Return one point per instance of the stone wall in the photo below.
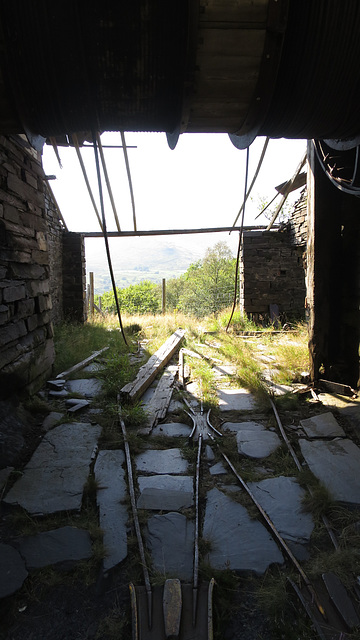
(55, 230)
(74, 277)
(271, 273)
(26, 336)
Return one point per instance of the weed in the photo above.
(317, 501)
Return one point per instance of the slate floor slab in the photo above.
(324, 425)
(336, 464)
(165, 492)
(235, 400)
(161, 461)
(170, 540)
(281, 498)
(65, 545)
(253, 439)
(237, 542)
(87, 387)
(172, 430)
(54, 478)
(113, 514)
(12, 570)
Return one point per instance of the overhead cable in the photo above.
(106, 176)
(129, 176)
(78, 153)
(105, 235)
(240, 239)
(253, 180)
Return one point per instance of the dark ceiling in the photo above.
(284, 68)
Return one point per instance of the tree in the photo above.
(135, 299)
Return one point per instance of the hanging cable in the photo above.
(129, 177)
(107, 180)
(78, 153)
(105, 234)
(240, 239)
(253, 180)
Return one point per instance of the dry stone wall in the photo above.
(55, 230)
(26, 336)
(271, 273)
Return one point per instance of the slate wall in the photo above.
(271, 272)
(26, 335)
(55, 230)
(74, 277)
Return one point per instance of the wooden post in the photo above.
(100, 303)
(87, 303)
(163, 295)
(91, 294)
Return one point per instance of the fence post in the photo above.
(91, 294)
(163, 295)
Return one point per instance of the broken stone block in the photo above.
(87, 387)
(51, 420)
(236, 400)
(165, 492)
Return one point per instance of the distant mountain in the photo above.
(136, 259)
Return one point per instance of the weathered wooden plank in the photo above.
(82, 364)
(148, 372)
(159, 403)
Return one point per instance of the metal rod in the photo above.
(211, 426)
(81, 162)
(166, 232)
(136, 518)
(326, 522)
(106, 176)
(129, 176)
(196, 542)
(194, 423)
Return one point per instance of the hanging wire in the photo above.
(105, 234)
(123, 142)
(240, 238)
(253, 180)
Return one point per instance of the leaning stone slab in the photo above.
(113, 514)
(4, 476)
(59, 546)
(170, 540)
(54, 478)
(165, 492)
(336, 464)
(255, 441)
(281, 498)
(12, 570)
(237, 542)
(87, 387)
(235, 400)
(161, 461)
(172, 430)
(322, 426)
(218, 469)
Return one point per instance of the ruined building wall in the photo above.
(26, 335)
(55, 230)
(271, 273)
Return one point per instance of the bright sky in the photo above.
(199, 184)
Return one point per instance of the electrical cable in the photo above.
(253, 180)
(105, 234)
(240, 239)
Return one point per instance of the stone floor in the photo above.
(53, 480)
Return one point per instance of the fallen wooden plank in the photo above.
(159, 403)
(148, 372)
(81, 364)
(336, 387)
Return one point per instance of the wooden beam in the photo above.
(159, 403)
(148, 372)
(168, 232)
(81, 365)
